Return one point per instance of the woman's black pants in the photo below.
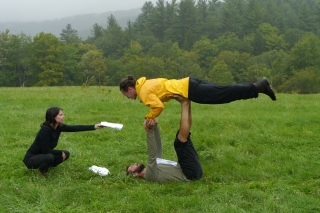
(44, 161)
(203, 92)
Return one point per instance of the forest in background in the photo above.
(234, 41)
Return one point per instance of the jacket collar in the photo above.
(139, 84)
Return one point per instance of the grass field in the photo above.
(257, 155)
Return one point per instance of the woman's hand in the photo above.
(63, 156)
(149, 123)
(98, 126)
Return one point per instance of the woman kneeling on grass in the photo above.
(41, 153)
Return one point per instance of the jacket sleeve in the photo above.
(155, 104)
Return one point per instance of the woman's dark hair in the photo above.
(127, 82)
(51, 114)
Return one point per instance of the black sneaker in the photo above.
(263, 86)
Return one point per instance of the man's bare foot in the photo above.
(181, 99)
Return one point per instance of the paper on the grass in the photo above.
(99, 170)
(164, 161)
(112, 125)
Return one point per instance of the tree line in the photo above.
(225, 42)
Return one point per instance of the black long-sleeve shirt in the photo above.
(47, 138)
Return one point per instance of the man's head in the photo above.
(137, 170)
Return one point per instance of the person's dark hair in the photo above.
(128, 173)
(51, 114)
(139, 169)
(127, 82)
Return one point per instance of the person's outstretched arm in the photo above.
(152, 124)
(158, 139)
(80, 128)
(152, 170)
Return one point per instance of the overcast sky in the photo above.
(41, 10)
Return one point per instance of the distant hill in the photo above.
(82, 23)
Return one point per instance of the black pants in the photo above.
(203, 92)
(44, 161)
(188, 158)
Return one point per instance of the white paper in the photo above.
(112, 125)
(99, 170)
(164, 161)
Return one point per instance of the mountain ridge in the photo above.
(82, 23)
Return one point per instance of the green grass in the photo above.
(257, 155)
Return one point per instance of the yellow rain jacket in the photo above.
(154, 92)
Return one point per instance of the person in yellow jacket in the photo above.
(154, 92)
